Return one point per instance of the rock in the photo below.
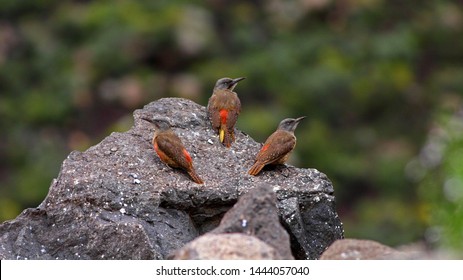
(233, 246)
(117, 200)
(254, 214)
(355, 249)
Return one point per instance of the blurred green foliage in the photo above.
(373, 77)
(438, 169)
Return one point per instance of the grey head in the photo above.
(161, 124)
(290, 124)
(227, 83)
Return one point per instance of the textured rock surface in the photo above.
(355, 249)
(255, 214)
(359, 249)
(117, 200)
(234, 246)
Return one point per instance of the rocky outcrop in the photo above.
(233, 246)
(361, 249)
(255, 216)
(117, 200)
(357, 249)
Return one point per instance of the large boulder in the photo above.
(117, 200)
(361, 249)
(261, 236)
(358, 249)
(232, 246)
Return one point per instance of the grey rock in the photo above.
(357, 249)
(256, 214)
(255, 218)
(117, 200)
(233, 246)
(360, 249)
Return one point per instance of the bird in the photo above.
(223, 109)
(277, 147)
(170, 148)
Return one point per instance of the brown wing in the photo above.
(212, 111)
(223, 99)
(233, 114)
(171, 145)
(276, 147)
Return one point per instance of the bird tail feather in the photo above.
(226, 137)
(255, 169)
(195, 177)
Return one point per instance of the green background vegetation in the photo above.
(381, 82)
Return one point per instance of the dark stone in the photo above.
(117, 200)
(255, 218)
(309, 219)
(256, 214)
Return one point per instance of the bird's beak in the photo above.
(147, 119)
(300, 119)
(235, 81)
(151, 121)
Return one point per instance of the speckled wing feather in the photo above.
(281, 142)
(172, 152)
(215, 118)
(173, 148)
(274, 151)
(233, 114)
